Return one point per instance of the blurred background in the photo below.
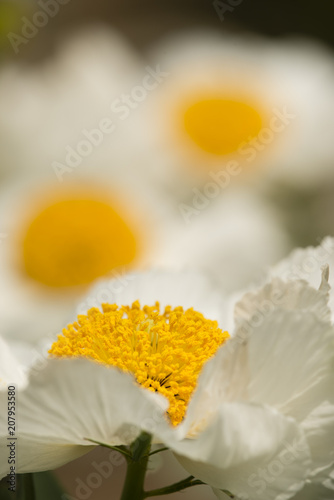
(138, 134)
(144, 23)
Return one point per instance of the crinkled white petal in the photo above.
(74, 399)
(243, 440)
(319, 430)
(290, 358)
(307, 264)
(280, 358)
(326, 477)
(292, 295)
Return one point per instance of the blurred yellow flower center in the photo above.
(73, 241)
(220, 126)
(165, 352)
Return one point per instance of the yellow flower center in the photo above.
(220, 126)
(73, 240)
(165, 352)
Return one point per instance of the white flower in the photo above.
(230, 99)
(50, 134)
(58, 238)
(260, 420)
(45, 111)
(56, 116)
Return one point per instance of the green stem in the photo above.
(26, 490)
(135, 476)
(120, 449)
(181, 485)
(158, 451)
(228, 493)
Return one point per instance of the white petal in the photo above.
(307, 264)
(290, 359)
(326, 477)
(74, 399)
(233, 237)
(284, 359)
(291, 295)
(45, 107)
(309, 492)
(186, 289)
(11, 370)
(281, 358)
(248, 450)
(319, 430)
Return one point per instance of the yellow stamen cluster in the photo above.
(165, 352)
(73, 241)
(219, 126)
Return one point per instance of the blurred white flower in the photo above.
(266, 104)
(59, 112)
(260, 420)
(59, 238)
(61, 140)
(51, 119)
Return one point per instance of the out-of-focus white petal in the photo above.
(46, 108)
(233, 236)
(185, 288)
(12, 372)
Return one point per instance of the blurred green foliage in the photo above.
(38, 486)
(11, 12)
